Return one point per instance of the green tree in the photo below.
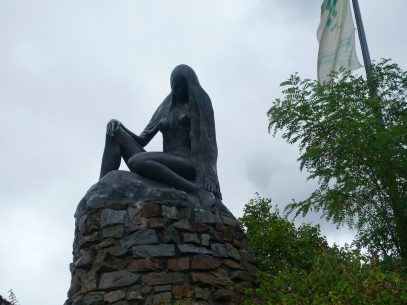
(298, 267)
(275, 239)
(352, 135)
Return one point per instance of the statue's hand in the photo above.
(112, 127)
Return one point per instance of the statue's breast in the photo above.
(183, 120)
(173, 122)
(164, 125)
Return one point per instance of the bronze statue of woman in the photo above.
(188, 160)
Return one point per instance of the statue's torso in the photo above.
(175, 128)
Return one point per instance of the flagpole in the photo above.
(365, 52)
(362, 37)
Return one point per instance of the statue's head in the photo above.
(183, 77)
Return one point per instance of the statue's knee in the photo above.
(112, 128)
(135, 163)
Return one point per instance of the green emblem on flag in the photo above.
(332, 22)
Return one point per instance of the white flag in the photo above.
(336, 36)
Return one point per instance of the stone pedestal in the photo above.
(149, 244)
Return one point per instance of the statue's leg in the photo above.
(121, 145)
(169, 169)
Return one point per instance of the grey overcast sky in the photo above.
(67, 67)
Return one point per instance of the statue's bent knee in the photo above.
(136, 162)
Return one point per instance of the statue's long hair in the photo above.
(204, 150)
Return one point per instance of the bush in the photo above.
(298, 267)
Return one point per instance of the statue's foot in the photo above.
(207, 198)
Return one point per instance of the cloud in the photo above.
(68, 67)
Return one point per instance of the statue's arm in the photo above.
(145, 137)
(149, 132)
(153, 126)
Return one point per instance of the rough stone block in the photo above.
(117, 251)
(113, 231)
(227, 235)
(163, 278)
(162, 288)
(146, 264)
(232, 264)
(110, 217)
(240, 275)
(211, 278)
(82, 224)
(236, 243)
(94, 205)
(117, 279)
(191, 238)
(119, 205)
(150, 210)
(163, 298)
(181, 264)
(153, 250)
(247, 256)
(205, 239)
(87, 282)
(89, 239)
(187, 248)
(134, 293)
(202, 293)
(204, 262)
(170, 235)
(226, 295)
(184, 225)
(98, 261)
(249, 267)
(104, 261)
(93, 297)
(185, 213)
(181, 290)
(134, 213)
(146, 289)
(108, 242)
(230, 221)
(85, 260)
(123, 302)
(114, 296)
(169, 212)
(141, 237)
(203, 216)
(157, 222)
(225, 250)
(200, 227)
(143, 224)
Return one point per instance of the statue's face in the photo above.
(180, 87)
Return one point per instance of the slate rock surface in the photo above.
(141, 243)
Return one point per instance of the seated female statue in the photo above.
(188, 160)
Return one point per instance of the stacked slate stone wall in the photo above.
(158, 252)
